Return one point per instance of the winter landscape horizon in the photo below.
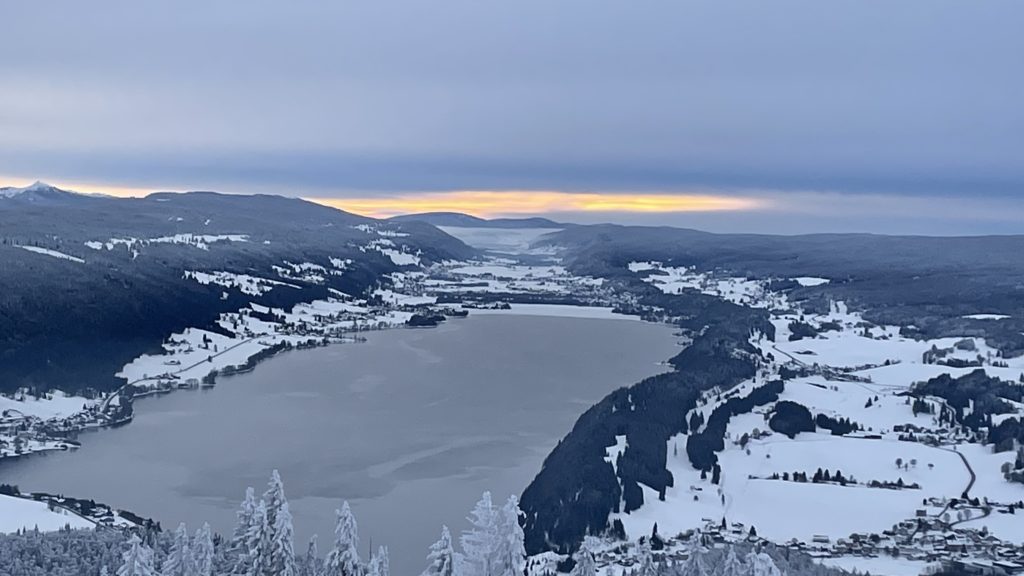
(680, 288)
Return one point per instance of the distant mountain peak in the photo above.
(37, 186)
(35, 191)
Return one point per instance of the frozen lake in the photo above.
(410, 427)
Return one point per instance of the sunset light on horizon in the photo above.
(492, 203)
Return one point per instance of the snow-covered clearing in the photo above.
(201, 241)
(673, 280)
(850, 399)
(811, 281)
(857, 371)
(374, 229)
(401, 258)
(986, 316)
(52, 405)
(53, 253)
(18, 513)
(781, 510)
(250, 285)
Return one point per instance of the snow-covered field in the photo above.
(54, 253)
(201, 241)
(781, 510)
(250, 285)
(18, 513)
(858, 372)
(986, 316)
(52, 405)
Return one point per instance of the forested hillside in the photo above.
(89, 283)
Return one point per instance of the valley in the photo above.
(802, 411)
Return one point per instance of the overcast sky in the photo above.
(859, 114)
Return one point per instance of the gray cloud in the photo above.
(918, 97)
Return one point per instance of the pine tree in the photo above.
(695, 564)
(379, 564)
(179, 559)
(245, 520)
(646, 561)
(274, 498)
(509, 556)
(312, 558)
(282, 551)
(343, 560)
(732, 566)
(478, 543)
(586, 564)
(761, 564)
(442, 556)
(202, 552)
(258, 545)
(137, 560)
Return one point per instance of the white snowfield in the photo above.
(385, 232)
(250, 285)
(400, 258)
(19, 513)
(673, 280)
(201, 241)
(986, 316)
(811, 281)
(860, 370)
(54, 253)
(54, 404)
(195, 353)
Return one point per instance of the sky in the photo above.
(735, 115)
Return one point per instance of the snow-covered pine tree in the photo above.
(695, 562)
(274, 498)
(343, 559)
(586, 565)
(509, 557)
(255, 560)
(761, 564)
(645, 561)
(442, 556)
(137, 560)
(179, 560)
(379, 564)
(310, 566)
(479, 542)
(731, 565)
(202, 552)
(245, 515)
(282, 551)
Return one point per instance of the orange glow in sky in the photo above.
(517, 203)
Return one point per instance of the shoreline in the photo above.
(100, 413)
